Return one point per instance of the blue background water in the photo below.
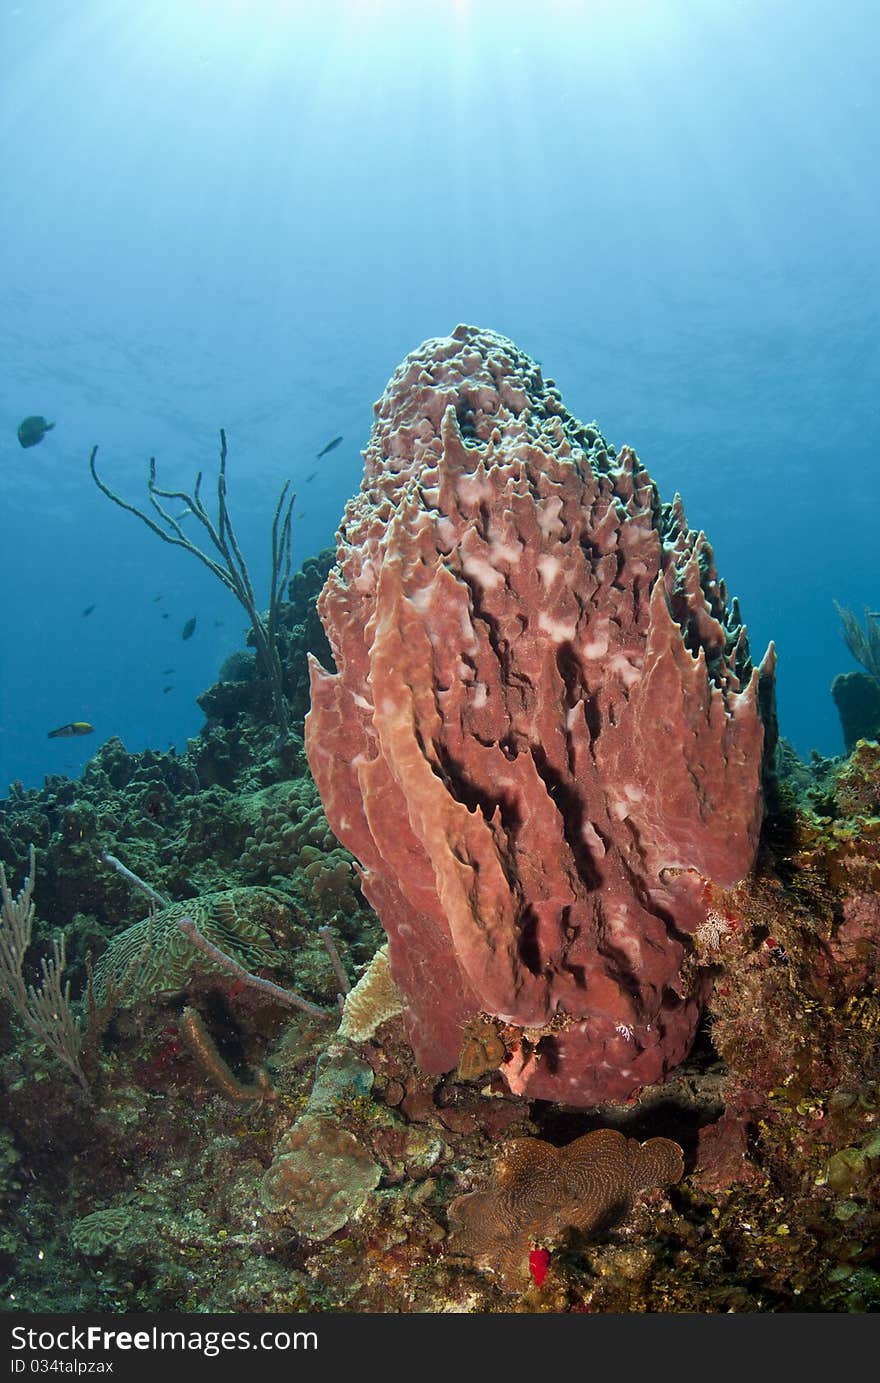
(245, 214)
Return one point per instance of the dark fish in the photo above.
(33, 429)
(158, 597)
(310, 477)
(88, 610)
(73, 727)
(167, 671)
(167, 689)
(218, 623)
(166, 615)
(189, 628)
(331, 446)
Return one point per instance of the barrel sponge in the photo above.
(544, 733)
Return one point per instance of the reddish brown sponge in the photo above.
(544, 731)
(539, 1192)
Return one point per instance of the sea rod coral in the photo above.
(545, 732)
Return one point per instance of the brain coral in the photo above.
(250, 924)
(539, 1191)
(545, 731)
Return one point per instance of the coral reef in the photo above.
(298, 631)
(235, 1154)
(545, 732)
(289, 838)
(236, 810)
(325, 1172)
(857, 786)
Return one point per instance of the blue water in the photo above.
(245, 214)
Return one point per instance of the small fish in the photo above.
(331, 446)
(167, 671)
(218, 623)
(310, 478)
(182, 515)
(33, 429)
(166, 615)
(88, 610)
(73, 727)
(167, 689)
(189, 628)
(158, 597)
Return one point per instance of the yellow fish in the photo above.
(73, 727)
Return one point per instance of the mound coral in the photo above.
(320, 1177)
(545, 731)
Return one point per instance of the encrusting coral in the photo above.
(320, 1176)
(322, 1173)
(545, 732)
(539, 1192)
